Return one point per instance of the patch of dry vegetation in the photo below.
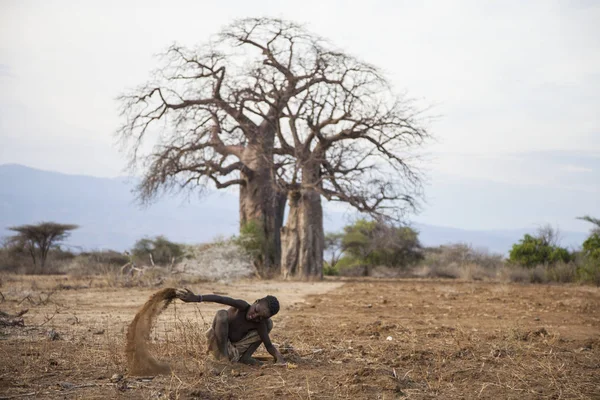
(462, 262)
(368, 339)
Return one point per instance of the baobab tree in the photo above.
(348, 139)
(218, 116)
(211, 114)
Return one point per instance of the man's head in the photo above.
(263, 309)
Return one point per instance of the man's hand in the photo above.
(187, 295)
(280, 361)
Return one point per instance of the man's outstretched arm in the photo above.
(263, 332)
(188, 296)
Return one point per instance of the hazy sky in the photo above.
(515, 85)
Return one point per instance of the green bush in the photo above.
(348, 261)
(373, 243)
(329, 270)
(532, 251)
(589, 271)
(252, 239)
(591, 247)
(160, 250)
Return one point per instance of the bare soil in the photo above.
(355, 339)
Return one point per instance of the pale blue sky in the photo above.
(515, 85)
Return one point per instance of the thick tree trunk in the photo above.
(290, 240)
(302, 237)
(260, 203)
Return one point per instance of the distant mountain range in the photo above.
(109, 218)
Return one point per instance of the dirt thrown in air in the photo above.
(139, 359)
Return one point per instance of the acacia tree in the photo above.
(39, 239)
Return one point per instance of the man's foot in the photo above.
(250, 361)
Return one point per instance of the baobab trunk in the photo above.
(302, 237)
(259, 203)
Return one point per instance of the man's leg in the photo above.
(247, 356)
(221, 332)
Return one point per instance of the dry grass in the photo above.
(448, 340)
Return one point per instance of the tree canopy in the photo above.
(273, 108)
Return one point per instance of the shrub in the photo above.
(561, 273)
(108, 257)
(589, 263)
(591, 247)
(376, 243)
(518, 274)
(223, 260)
(333, 248)
(330, 270)
(252, 239)
(462, 255)
(159, 251)
(96, 263)
(589, 271)
(532, 251)
(557, 273)
(16, 258)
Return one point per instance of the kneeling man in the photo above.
(237, 332)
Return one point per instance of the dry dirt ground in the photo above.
(343, 339)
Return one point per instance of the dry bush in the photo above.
(107, 271)
(391, 272)
(101, 262)
(588, 269)
(562, 273)
(515, 274)
(354, 271)
(459, 261)
(538, 274)
(556, 273)
(477, 272)
(461, 254)
(379, 271)
(451, 271)
(15, 260)
(221, 261)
